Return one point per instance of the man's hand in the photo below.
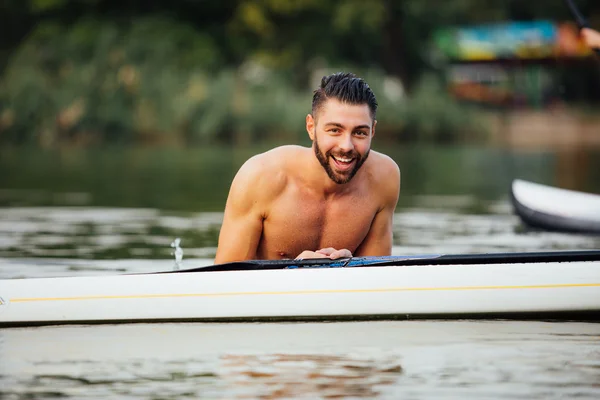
(328, 252)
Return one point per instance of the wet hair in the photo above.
(347, 88)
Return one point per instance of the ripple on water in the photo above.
(383, 359)
(225, 376)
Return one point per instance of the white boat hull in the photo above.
(436, 290)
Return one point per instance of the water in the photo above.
(385, 359)
(178, 253)
(76, 221)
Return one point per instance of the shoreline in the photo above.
(544, 130)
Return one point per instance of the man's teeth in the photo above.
(344, 160)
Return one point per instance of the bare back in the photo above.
(276, 211)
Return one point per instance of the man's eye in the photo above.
(360, 133)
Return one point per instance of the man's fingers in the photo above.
(343, 253)
(324, 253)
(306, 254)
(327, 251)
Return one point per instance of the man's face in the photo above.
(341, 137)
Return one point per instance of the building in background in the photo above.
(512, 64)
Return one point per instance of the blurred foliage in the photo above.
(197, 71)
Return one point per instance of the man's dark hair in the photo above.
(347, 88)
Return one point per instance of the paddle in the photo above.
(431, 259)
(579, 18)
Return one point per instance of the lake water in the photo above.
(384, 359)
(97, 214)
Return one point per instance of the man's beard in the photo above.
(339, 177)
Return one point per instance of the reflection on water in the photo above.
(198, 179)
(264, 376)
(296, 375)
(104, 233)
(380, 359)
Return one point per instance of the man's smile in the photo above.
(343, 163)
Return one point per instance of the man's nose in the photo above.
(345, 144)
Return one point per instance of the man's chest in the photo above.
(297, 223)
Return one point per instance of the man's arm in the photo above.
(243, 219)
(378, 241)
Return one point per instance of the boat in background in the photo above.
(538, 285)
(551, 208)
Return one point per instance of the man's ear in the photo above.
(310, 126)
(373, 128)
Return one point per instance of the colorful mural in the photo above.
(511, 40)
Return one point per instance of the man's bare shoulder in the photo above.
(266, 174)
(384, 176)
(383, 168)
(273, 161)
(282, 154)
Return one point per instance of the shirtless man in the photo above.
(591, 37)
(334, 199)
